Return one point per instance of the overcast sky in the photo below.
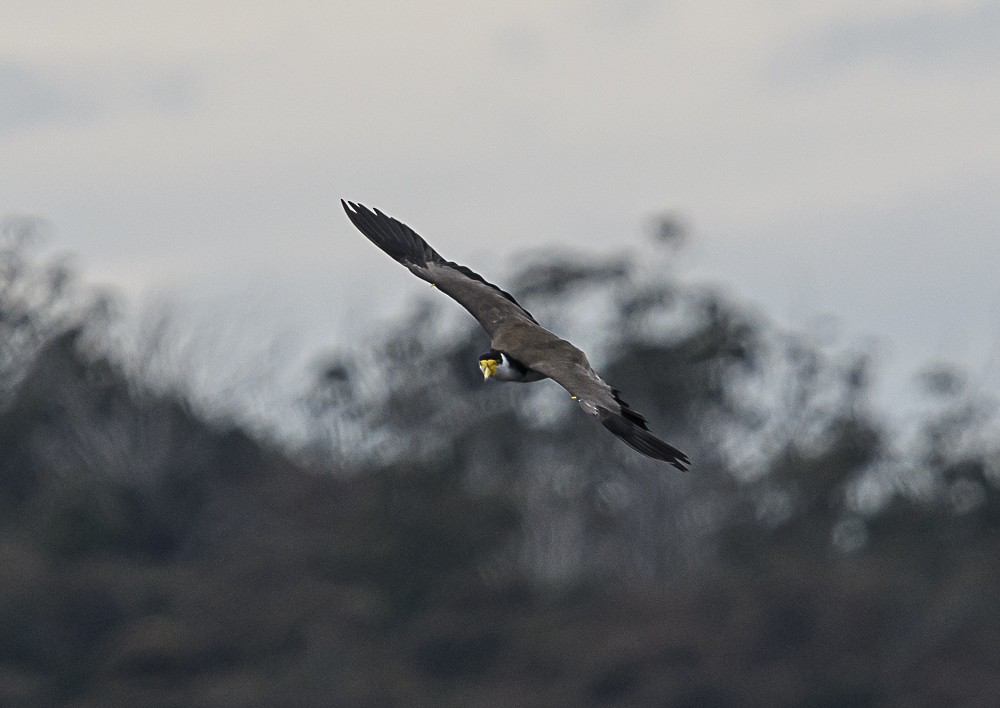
(833, 157)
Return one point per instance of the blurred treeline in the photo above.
(442, 542)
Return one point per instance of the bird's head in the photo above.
(489, 362)
(499, 366)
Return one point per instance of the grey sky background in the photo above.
(833, 157)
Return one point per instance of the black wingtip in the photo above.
(641, 440)
(391, 235)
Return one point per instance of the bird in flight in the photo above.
(520, 348)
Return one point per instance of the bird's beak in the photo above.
(489, 367)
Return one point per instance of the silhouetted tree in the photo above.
(447, 542)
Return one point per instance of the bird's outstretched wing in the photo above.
(491, 306)
(599, 399)
(514, 331)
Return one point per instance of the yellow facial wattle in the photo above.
(489, 367)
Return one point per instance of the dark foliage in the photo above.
(495, 551)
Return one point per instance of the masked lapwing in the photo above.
(520, 348)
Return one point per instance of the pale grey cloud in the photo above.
(918, 40)
(815, 147)
(27, 98)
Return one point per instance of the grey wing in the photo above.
(491, 306)
(598, 398)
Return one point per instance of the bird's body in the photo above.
(521, 349)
